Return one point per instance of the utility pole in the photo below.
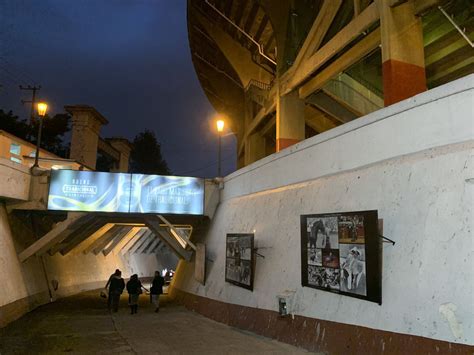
(33, 90)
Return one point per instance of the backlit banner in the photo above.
(90, 191)
(167, 194)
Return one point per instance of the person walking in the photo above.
(134, 289)
(116, 285)
(156, 290)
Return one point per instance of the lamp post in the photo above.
(220, 128)
(42, 107)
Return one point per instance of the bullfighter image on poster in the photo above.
(240, 260)
(341, 253)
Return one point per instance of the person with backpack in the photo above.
(134, 289)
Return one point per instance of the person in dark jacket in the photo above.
(134, 289)
(156, 290)
(116, 285)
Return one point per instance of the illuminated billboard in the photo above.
(89, 191)
(167, 194)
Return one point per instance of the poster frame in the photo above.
(373, 254)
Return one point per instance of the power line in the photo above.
(24, 74)
(33, 90)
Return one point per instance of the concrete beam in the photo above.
(127, 239)
(147, 244)
(332, 106)
(126, 247)
(78, 236)
(264, 112)
(92, 238)
(106, 237)
(106, 241)
(177, 234)
(60, 232)
(158, 246)
(350, 32)
(153, 222)
(123, 232)
(152, 246)
(143, 239)
(319, 29)
(318, 120)
(353, 55)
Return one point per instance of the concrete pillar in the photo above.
(255, 143)
(290, 124)
(124, 147)
(403, 63)
(254, 148)
(86, 124)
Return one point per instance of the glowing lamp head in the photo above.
(220, 125)
(42, 107)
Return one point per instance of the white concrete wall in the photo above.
(11, 277)
(14, 180)
(414, 163)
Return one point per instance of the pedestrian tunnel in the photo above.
(79, 226)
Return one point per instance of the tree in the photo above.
(145, 157)
(54, 129)
(12, 124)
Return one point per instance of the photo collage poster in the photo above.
(334, 249)
(240, 260)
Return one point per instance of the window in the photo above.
(15, 149)
(15, 152)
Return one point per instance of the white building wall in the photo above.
(414, 163)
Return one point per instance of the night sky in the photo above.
(129, 59)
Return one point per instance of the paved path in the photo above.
(80, 324)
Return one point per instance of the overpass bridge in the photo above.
(98, 231)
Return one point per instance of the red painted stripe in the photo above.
(282, 143)
(402, 80)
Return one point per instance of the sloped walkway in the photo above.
(81, 324)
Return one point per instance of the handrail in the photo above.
(258, 84)
(216, 68)
(456, 26)
(259, 46)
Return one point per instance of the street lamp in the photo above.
(42, 107)
(220, 128)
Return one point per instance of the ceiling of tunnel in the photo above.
(96, 233)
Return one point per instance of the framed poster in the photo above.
(239, 261)
(341, 253)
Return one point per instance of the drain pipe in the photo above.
(455, 26)
(259, 46)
